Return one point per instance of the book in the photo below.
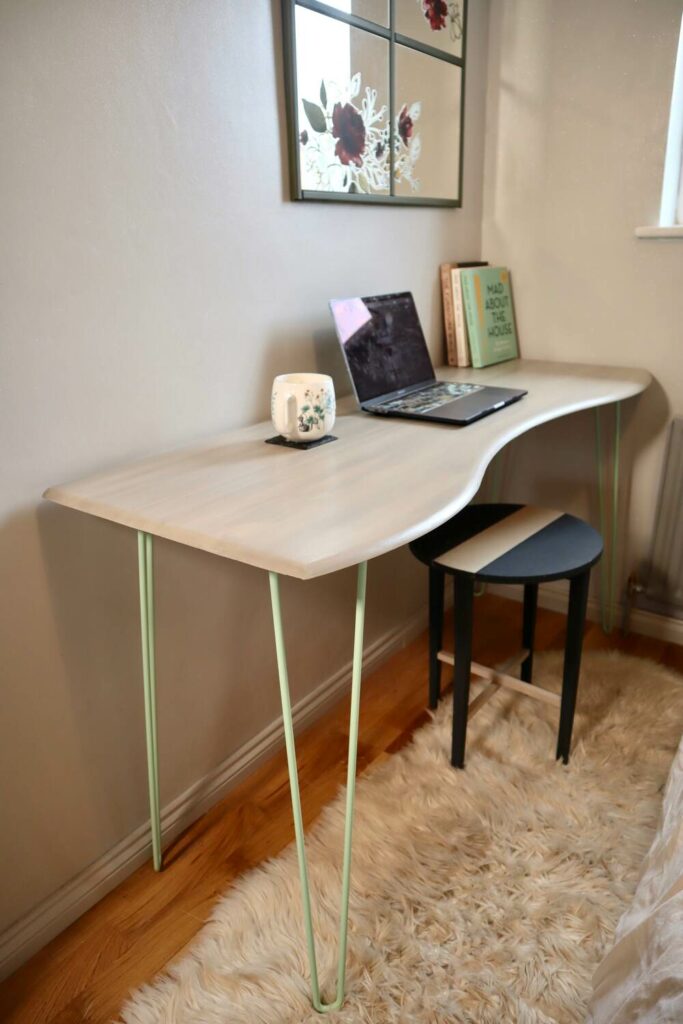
(449, 309)
(462, 344)
(487, 300)
(448, 316)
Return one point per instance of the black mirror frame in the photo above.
(392, 37)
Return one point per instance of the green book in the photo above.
(487, 300)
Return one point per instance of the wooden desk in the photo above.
(305, 514)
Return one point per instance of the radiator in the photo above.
(661, 588)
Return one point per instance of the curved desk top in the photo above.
(307, 513)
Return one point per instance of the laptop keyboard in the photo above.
(428, 398)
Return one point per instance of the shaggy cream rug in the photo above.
(485, 896)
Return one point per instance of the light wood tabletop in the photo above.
(307, 513)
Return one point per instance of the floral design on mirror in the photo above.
(368, 124)
(346, 143)
(441, 15)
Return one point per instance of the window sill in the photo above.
(673, 232)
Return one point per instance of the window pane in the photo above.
(438, 23)
(343, 94)
(371, 10)
(427, 140)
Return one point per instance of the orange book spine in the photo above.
(448, 314)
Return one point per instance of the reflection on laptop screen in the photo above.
(383, 343)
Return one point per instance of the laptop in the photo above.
(392, 374)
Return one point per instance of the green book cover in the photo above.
(490, 317)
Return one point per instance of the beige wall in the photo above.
(155, 278)
(577, 115)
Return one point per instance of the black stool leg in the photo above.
(436, 587)
(463, 595)
(576, 618)
(529, 629)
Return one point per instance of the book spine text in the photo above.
(471, 316)
(448, 315)
(461, 342)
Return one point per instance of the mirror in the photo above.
(371, 10)
(375, 100)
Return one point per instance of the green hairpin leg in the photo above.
(318, 1004)
(146, 574)
(608, 569)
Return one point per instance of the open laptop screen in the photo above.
(383, 343)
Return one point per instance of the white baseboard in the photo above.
(32, 931)
(553, 596)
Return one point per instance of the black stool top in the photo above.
(511, 544)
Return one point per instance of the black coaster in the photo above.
(303, 445)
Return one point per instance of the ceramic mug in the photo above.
(302, 405)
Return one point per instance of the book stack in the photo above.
(479, 317)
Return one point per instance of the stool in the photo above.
(516, 544)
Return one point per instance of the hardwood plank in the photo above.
(673, 657)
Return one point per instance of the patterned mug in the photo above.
(302, 405)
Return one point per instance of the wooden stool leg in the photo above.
(436, 587)
(529, 629)
(463, 595)
(576, 618)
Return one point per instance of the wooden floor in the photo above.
(85, 974)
